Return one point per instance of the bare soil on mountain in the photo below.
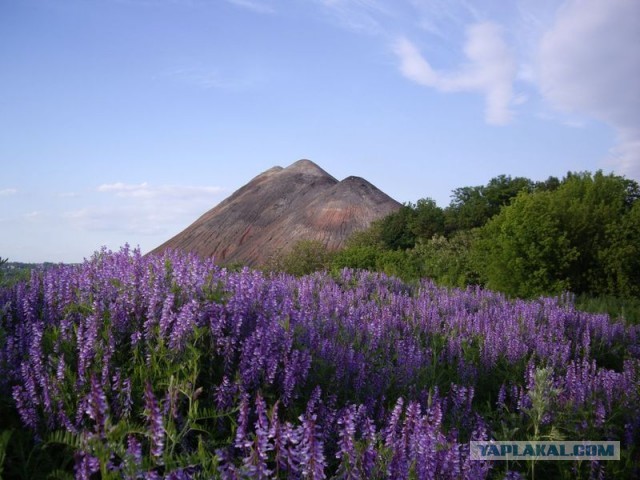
(280, 207)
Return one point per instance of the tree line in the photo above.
(579, 234)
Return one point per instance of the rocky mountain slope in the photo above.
(278, 208)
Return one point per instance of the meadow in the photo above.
(172, 367)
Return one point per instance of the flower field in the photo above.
(172, 367)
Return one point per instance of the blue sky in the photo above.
(125, 120)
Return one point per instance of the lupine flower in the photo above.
(241, 440)
(348, 468)
(391, 430)
(285, 440)
(96, 406)
(134, 451)
(312, 460)
(256, 462)
(85, 466)
(226, 469)
(224, 393)
(502, 395)
(154, 419)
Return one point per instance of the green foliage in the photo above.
(576, 238)
(526, 249)
(621, 257)
(522, 238)
(627, 308)
(403, 228)
(3, 262)
(395, 230)
(399, 263)
(4, 441)
(371, 237)
(12, 272)
(427, 220)
(448, 261)
(363, 257)
(305, 257)
(472, 207)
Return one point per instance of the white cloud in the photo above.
(254, 5)
(491, 70)
(145, 209)
(162, 191)
(363, 16)
(589, 65)
(206, 78)
(8, 191)
(123, 189)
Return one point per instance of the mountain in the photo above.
(280, 207)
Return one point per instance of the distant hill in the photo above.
(280, 207)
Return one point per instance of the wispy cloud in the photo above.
(8, 191)
(206, 79)
(254, 5)
(589, 64)
(163, 191)
(363, 16)
(144, 208)
(444, 18)
(490, 69)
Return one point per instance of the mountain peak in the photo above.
(306, 167)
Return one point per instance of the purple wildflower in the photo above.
(348, 468)
(134, 451)
(85, 466)
(312, 460)
(96, 406)
(154, 419)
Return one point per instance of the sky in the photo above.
(123, 121)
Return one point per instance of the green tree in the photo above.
(427, 219)
(371, 237)
(3, 262)
(525, 249)
(448, 260)
(621, 259)
(395, 229)
(551, 240)
(551, 183)
(472, 207)
(399, 263)
(362, 257)
(305, 257)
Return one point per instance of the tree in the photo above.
(362, 257)
(427, 219)
(448, 260)
(472, 207)
(551, 240)
(395, 230)
(305, 257)
(525, 248)
(3, 261)
(622, 256)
